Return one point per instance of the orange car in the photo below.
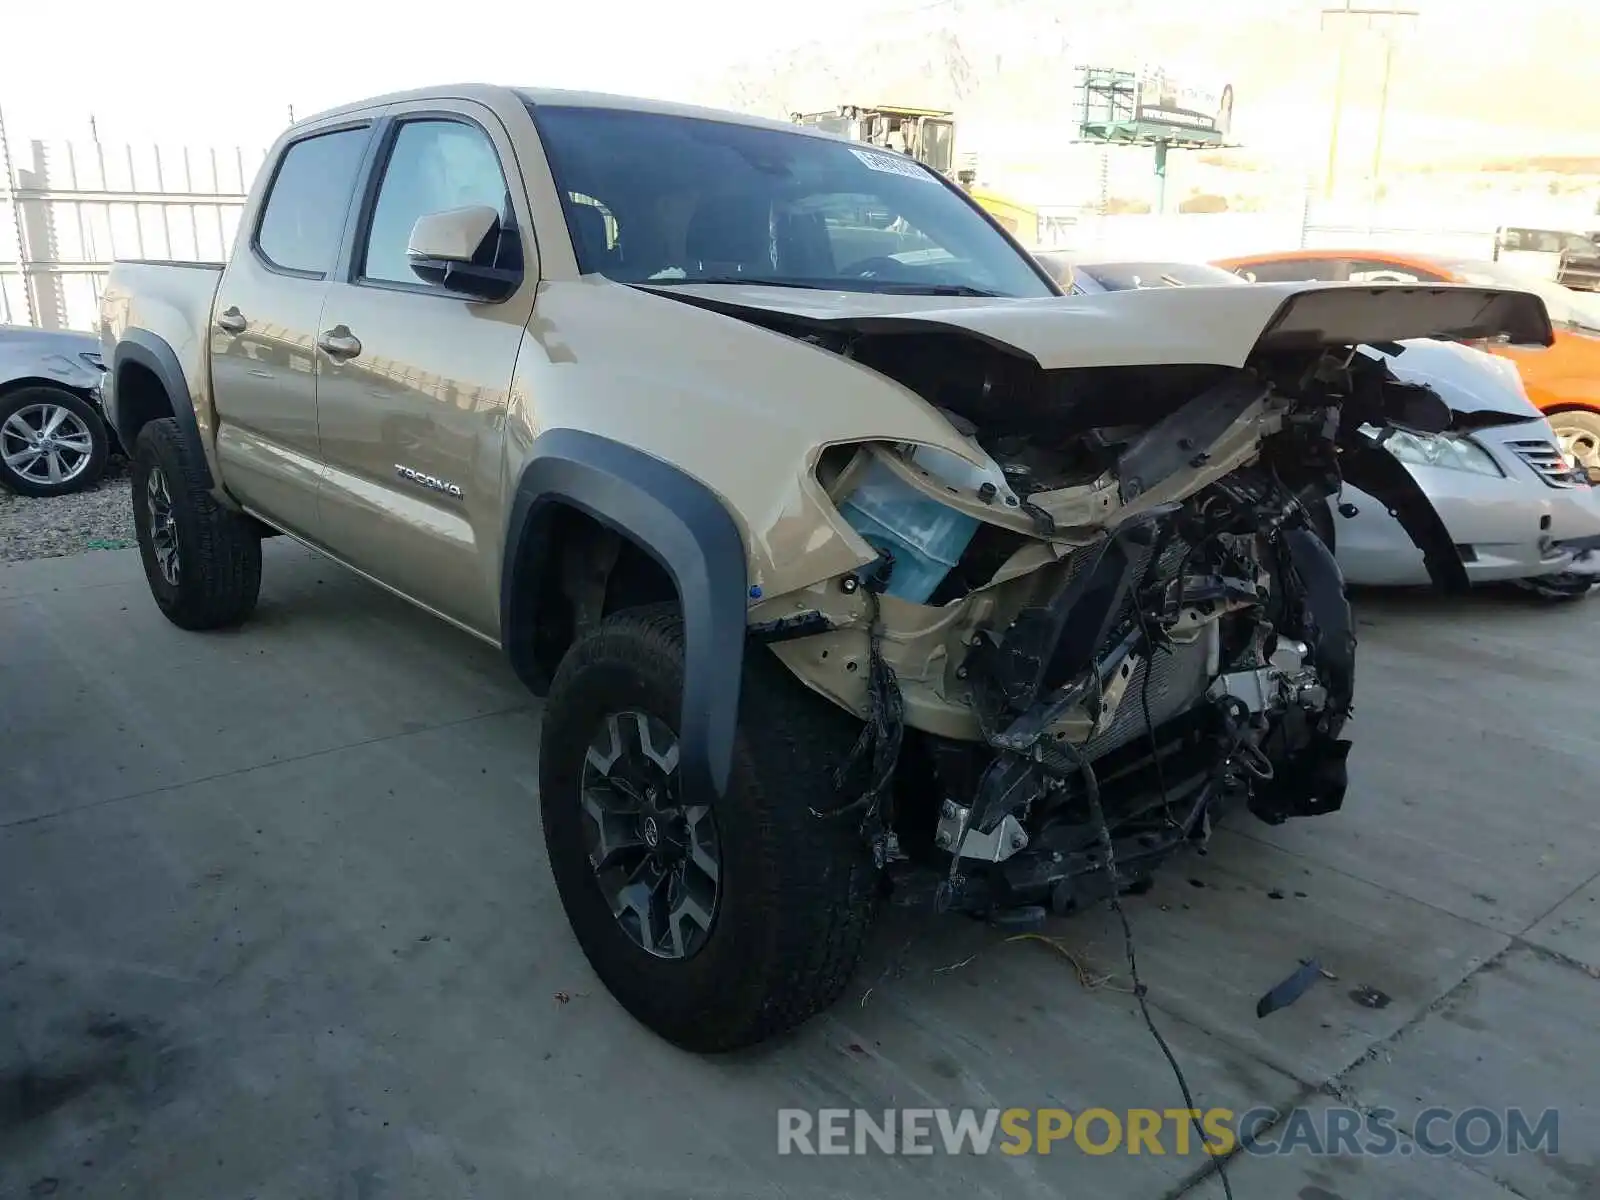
(1563, 380)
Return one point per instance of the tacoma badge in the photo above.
(429, 481)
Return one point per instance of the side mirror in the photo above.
(455, 249)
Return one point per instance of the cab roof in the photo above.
(492, 94)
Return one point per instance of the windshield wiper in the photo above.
(850, 284)
(746, 280)
(931, 289)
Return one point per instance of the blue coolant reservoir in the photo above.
(923, 537)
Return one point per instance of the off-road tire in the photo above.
(798, 892)
(219, 552)
(99, 441)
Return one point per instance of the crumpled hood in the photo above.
(1224, 326)
(1470, 381)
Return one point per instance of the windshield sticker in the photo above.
(891, 164)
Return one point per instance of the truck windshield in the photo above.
(659, 198)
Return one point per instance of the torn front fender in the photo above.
(1366, 464)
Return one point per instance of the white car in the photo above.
(1515, 507)
(53, 435)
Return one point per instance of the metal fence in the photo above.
(68, 209)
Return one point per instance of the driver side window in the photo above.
(434, 165)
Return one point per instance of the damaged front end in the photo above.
(1111, 620)
(1205, 657)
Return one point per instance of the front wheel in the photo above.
(203, 562)
(1578, 431)
(51, 442)
(715, 924)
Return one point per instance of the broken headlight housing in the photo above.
(918, 537)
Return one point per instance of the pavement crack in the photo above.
(1546, 914)
(1244, 832)
(1209, 1168)
(146, 793)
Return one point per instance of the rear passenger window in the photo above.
(305, 209)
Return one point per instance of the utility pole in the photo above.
(1390, 30)
(1388, 20)
(1338, 91)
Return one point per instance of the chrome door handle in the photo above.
(232, 321)
(339, 342)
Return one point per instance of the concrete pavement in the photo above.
(275, 921)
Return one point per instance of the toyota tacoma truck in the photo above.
(850, 556)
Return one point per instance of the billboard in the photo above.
(1184, 103)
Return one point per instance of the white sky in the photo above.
(224, 72)
(221, 72)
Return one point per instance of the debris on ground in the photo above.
(1369, 997)
(1087, 979)
(1291, 989)
(895, 970)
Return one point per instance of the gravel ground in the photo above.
(100, 518)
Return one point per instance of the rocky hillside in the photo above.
(1472, 81)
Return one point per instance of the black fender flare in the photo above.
(684, 526)
(144, 348)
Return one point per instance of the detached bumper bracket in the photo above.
(1580, 545)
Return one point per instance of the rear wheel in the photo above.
(203, 562)
(51, 442)
(715, 924)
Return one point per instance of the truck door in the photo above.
(413, 380)
(266, 321)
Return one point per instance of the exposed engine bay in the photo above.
(1116, 619)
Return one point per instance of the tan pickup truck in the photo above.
(842, 571)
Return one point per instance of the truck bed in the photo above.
(171, 299)
(160, 302)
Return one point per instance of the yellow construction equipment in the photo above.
(929, 136)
